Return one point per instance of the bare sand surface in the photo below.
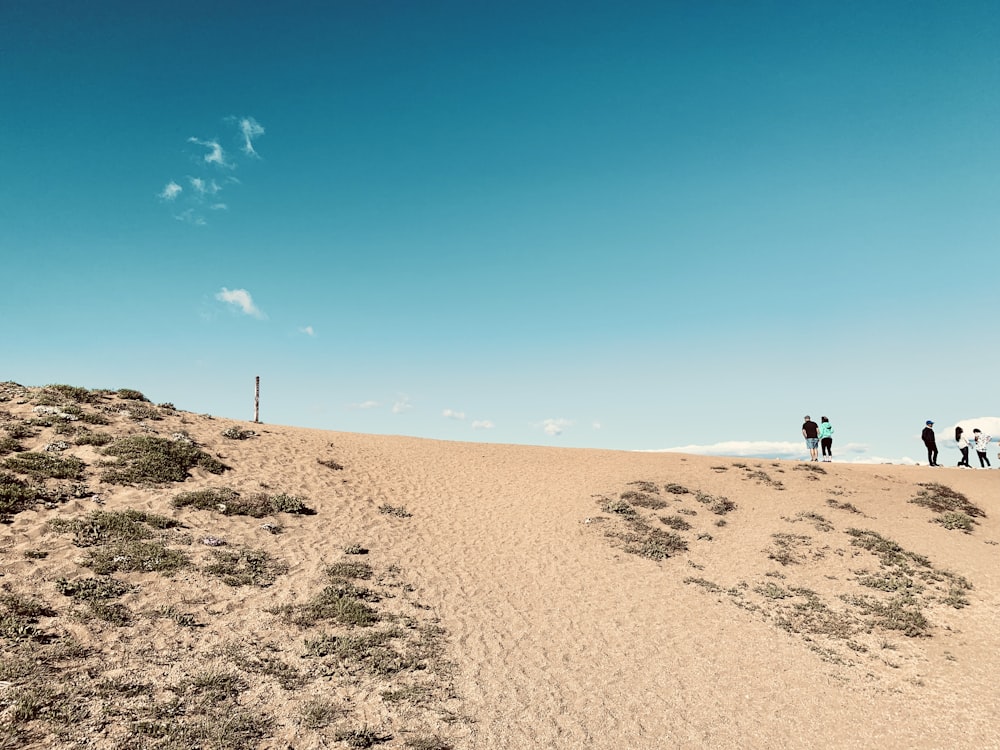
(575, 598)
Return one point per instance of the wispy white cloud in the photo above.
(402, 404)
(596, 425)
(171, 191)
(307, 330)
(216, 155)
(242, 299)
(452, 414)
(211, 156)
(367, 405)
(482, 424)
(250, 129)
(190, 216)
(555, 426)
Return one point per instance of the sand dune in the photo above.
(531, 597)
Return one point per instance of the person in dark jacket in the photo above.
(928, 437)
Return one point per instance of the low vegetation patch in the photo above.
(954, 509)
(229, 502)
(330, 464)
(245, 567)
(45, 466)
(93, 589)
(145, 459)
(394, 510)
(643, 500)
(236, 433)
(16, 495)
(103, 527)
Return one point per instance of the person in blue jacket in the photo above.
(826, 438)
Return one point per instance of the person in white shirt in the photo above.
(981, 439)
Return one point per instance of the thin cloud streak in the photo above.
(250, 129)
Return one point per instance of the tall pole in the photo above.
(256, 400)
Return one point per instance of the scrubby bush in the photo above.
(148, 459)
(131, 394)
(235, 433)
(229, 502)
(45, 466)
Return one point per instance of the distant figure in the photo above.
(810, 431)
(981, 439)
(826, 438)
(963, 445)
(928, 437)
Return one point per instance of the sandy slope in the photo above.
(559, 638)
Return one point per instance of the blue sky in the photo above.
(588, 224)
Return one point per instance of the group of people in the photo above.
(979, 438)
(817, 436)
(820, 436)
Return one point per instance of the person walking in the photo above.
(981, 439)
(963, 445)
(810, 431)
(826, 438)
(928, 437)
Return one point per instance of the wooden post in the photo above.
(256, 400)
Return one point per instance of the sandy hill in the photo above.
(172, 580)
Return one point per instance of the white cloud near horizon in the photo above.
(170, 191)
(452, 414)
(989, 425)
(367, 405)
(250, 129)
(555, 427)
(760, 449)
(402, 404)
(483, 424)
(307, 330)
(242, 299)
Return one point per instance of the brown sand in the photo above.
(557, 636)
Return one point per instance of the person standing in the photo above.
(810, 431)
(826, 438)
(963, 445)
(928, 437)
(981, 439)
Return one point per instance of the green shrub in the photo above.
(10, 445)
(73, 393)
(943, 499)
(131, 395)
(229, 502)
(91, 589)
(102, 527)
(135, 557)
(16, 495)
(86, 437)
(148, 459)
(245, 567)
(235, 433)
(19, 430)
(45, 466)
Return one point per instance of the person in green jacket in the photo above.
(826, 438)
